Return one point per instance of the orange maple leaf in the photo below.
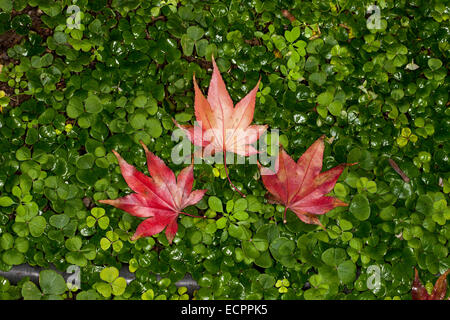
(222, 126)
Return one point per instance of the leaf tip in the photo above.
(340, 203)
(135, 237)
(213, 60)
(116, 154)
(108, 201)
(143, 145)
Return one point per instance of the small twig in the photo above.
(397, 169)
(288, 15)
(193, 216)
(158, 18)
(317, 35)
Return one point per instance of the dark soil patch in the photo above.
(205, 64)
(10, 38)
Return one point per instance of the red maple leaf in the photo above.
(300, 186)
(220, 126)
(159, 198)
(419, 292)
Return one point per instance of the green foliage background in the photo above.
(72, 95)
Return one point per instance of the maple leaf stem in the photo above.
(191, 215)
(397, 169)
(284, 216)
(226, 172)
